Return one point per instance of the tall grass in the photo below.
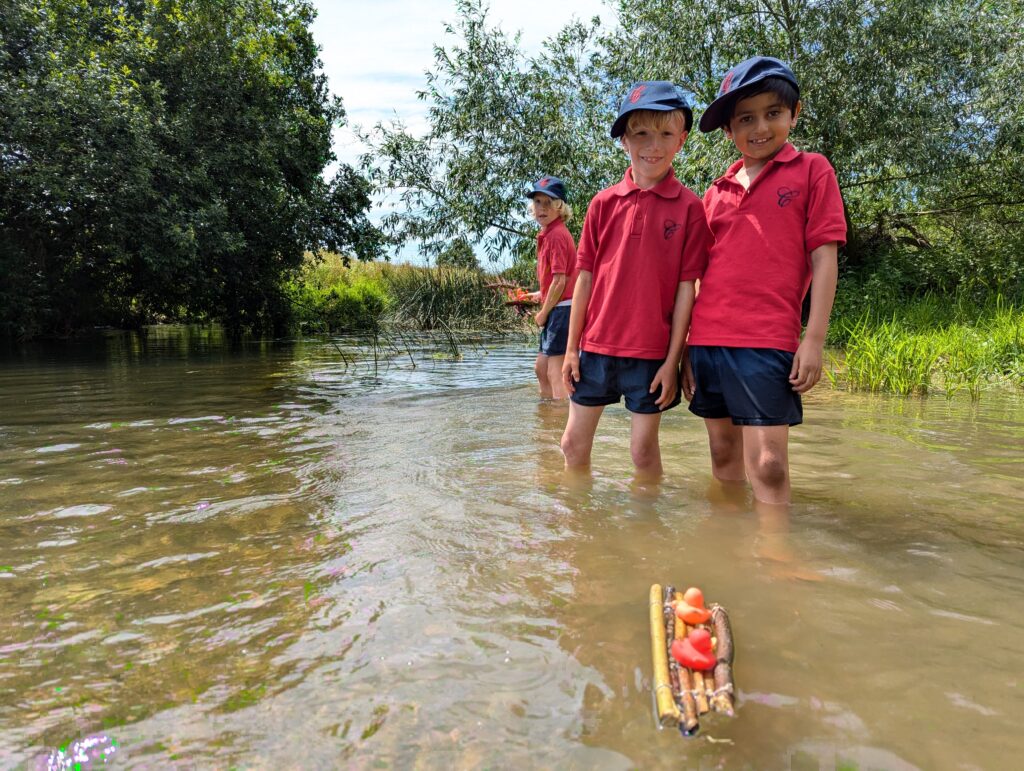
(388, 304)
(932, 343)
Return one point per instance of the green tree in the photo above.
(459, 255)
(908, 99)
(165, 156)
(498, 120)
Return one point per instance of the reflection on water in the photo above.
(255, 555)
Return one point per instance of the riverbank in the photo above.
(933, 343)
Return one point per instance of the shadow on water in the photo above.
(259, 555)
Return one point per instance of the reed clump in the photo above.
(932, 343)
(376, 298)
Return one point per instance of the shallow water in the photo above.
(257, 556)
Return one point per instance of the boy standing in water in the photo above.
(556, 276)
(777, 220)
(644, 242)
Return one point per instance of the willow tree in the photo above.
(908, 98)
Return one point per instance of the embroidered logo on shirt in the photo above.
(671, 228)
(636, 93)
(786, 196)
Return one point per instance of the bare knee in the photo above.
(575, 450)
(771, 468)
(645, 455)
(726, 450)
(540, 369)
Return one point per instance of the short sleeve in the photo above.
(697, 243)
(826, 221)
(587, 251)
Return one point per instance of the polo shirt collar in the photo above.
(559, 223)
(785, 155)
(669, 187)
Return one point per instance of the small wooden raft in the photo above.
(682, 695)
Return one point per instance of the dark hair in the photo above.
(788, 94)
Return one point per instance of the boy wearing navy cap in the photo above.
(643, 245)
(556, 276)
(777, 220)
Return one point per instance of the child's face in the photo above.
(544, 209)
(760, 126)
(651, 151)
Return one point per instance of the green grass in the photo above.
(929, 344)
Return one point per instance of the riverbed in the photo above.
(285, 555)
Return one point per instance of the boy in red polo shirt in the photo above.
(556, 276)
(644, 243)
(777, 221)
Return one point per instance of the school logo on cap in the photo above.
(636, 93)
(545, 182)
(727, 83)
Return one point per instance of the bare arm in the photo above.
(667, 375)
(577, 315)
(553, 297)
(807, 361)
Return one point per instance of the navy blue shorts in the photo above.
(555, 334)
(604, 379)
(749, 385)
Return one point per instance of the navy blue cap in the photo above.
(549, 186)
(744, 74)
(659, 95)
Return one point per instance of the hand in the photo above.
(571, 371)
(689, 384)
(806, 369)
(541, 318)
(667, 377)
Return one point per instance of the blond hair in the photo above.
(656, 120)
(562, 209)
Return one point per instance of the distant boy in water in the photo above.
(777, 220)
(644, 242)
(556, 275)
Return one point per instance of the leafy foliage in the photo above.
(908, 98)
(164, 157)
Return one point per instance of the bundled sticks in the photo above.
(683, 694)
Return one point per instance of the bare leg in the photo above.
(578, 439)
(555, 382)
(726, 443)
(644, 447)
(540, 369)
(766, 459)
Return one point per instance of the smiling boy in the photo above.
(644, 243)
(777, 220)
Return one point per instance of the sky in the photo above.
(375, 53)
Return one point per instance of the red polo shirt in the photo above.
(639, 245)
(556, 253)
(760, 263)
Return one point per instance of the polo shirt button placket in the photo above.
(638, 216)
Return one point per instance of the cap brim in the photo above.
(619, 126)
(711, 118)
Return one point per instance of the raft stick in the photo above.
(668, 713)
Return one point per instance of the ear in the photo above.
(796, 114)
(682, 140)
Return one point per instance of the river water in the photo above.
(261, 556)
